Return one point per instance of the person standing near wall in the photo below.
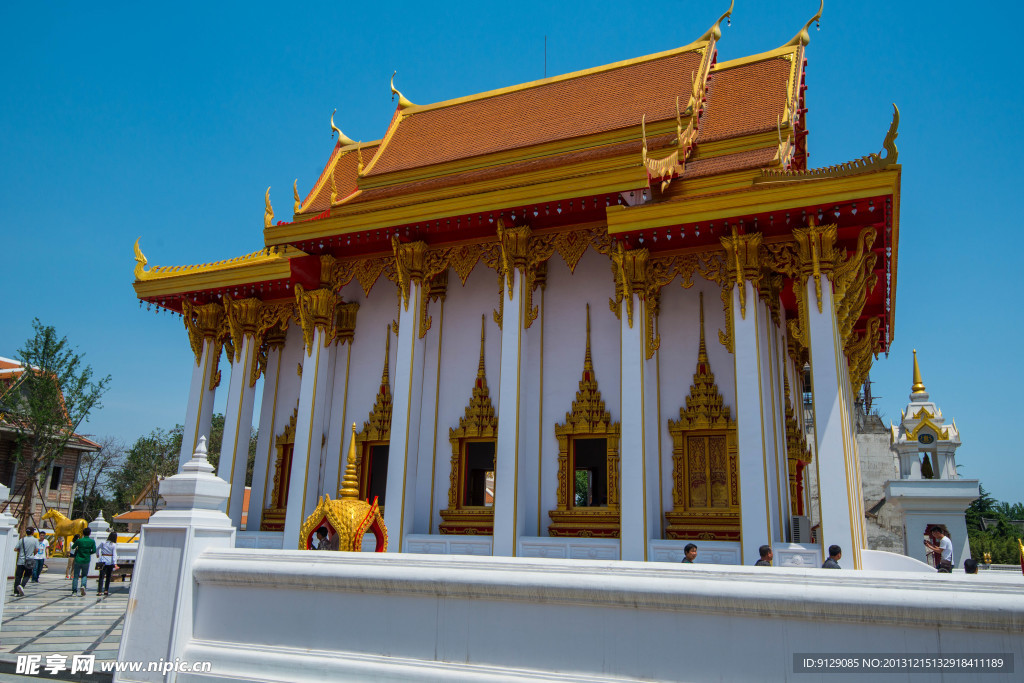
(26, 561)
(942, 547)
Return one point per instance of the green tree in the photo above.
(57, 393)
(94, 473)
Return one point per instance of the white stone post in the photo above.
(403, 458)
(638, 462)
(158, 622)
(510, 452)
(204, 329)
(8, 540)
(744, 267)
(316, 311)
(234, 451)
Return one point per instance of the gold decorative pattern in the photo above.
(705, 469)
(408, 265)
(853, 279)
(205, 322)
(860, 352)
(345, 322)
(347, 519)
(298, 200)
(343, 139)
(316, 311)
(817, 253)
(587, 418)
(478, 424)
(743, 262)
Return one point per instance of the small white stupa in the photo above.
(929, 490)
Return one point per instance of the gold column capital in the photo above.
(345, 322)
(409, 257)
(743, 261)
(202, 322)
(515, 251)
(316, 311)
(816, 252)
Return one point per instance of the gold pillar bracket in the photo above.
(316, 311)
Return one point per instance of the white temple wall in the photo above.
(679, 325)
(564, 346)
(460, 354)
(280, 399)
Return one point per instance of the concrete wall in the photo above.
(878, 464)
(294, 616)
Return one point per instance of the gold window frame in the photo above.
(478, 425)
(587, 419)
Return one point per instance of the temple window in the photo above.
(705, 471)
(588, 463)
(373, 442)
(471, 484)
(274, 512)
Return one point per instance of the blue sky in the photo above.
(169, 121)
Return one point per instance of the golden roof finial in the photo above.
(268, 212)
(803, 37)
(588, 361)
(295, 190)
(342, 138)
(480, 371)
(359, 151)
(402, 101)
(918, 387)
(892, 155)
(715, 32)
(140, 262)
(350, 482)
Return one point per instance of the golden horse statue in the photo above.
(65, 528)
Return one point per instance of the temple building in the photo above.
(570, 319)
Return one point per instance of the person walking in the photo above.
(71, 557)
(41, 549)
(82, 549)
(26, 561)
(107, 555)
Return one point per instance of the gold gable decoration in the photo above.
(274, 513)
(705, 468)
(588, 418)
(348, 518)
(478, 424)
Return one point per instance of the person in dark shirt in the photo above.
(834, 555)
(690, 553)
(766, 556)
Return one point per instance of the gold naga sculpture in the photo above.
(348, 518)
(64, 528)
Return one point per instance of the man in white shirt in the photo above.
(943, 549)
(41, 550)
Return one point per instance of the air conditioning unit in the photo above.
(801, 529)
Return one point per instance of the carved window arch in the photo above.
(588, 463)
(705, 467)
(373, 441)
(274, 512)
(474, 448)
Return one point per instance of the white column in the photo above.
(399, 511)
(234, 450)
(842, 507)
(638, 515)
(316, 474)
(159, 624)
(750, 425)
(316, 309)
(510, 466)
(201, 394)
(8, 540)
(265, 439)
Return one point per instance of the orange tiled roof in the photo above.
(133, 516)
(343, 164)
(555, 109)
(745, 99)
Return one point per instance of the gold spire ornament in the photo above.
(343, 139)
(803, 37)
(350, 482)
(268, 211)
(715, 32)
(295, 190)
(403, 102)
(140, 262)
(918, 387)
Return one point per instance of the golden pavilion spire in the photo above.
(918, 387)
(803, 37)
(350, 482)
(342, 138)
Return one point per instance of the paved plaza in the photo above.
(49, 620)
